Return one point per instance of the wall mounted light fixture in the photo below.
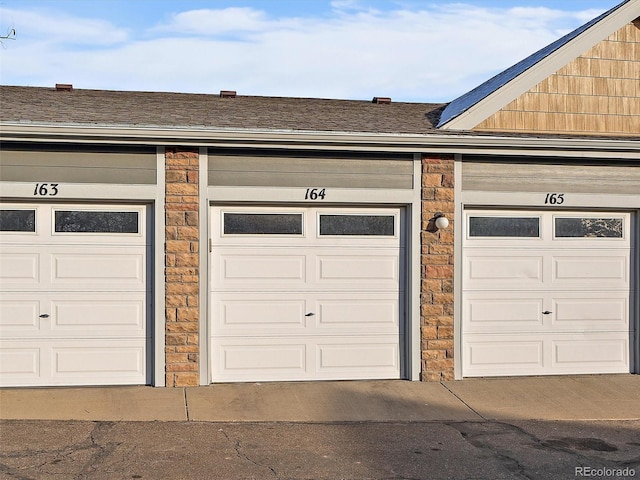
(441, 221)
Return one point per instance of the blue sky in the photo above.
(409, 50)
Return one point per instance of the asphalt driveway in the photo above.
(523, 428)
(544, 450)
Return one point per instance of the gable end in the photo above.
(598, 93)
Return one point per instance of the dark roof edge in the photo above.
(434, 142)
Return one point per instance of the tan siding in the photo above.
(77, 167)
(518, 175)
(276, 171)
(597, 93)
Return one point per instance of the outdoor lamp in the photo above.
(441, 222)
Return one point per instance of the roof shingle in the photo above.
(38, 105)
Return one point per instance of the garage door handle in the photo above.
(310, 314)
(44, 315)
(546, 312)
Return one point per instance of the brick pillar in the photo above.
(437, 269)
(181, 267)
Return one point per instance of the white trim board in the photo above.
(80, 191)
(297, 194)
(536, 200)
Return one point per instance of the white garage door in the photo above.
(73, 301)
(306, 293)
(546, 293)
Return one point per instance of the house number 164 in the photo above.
(314, 194)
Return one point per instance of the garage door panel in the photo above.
(275, 268)
(377, 313)
(264, 312)
(610, 269)
(271, 269)
(254, 359)
(19, 268)
(72, 362)
(99, 268)
(69, 315)
(19, 362)
(546, 354)
(584, 312)
(101, 358)
(32, 267)
(18, 315)
(98, 314)
(375, 270)
(505, 355)
(302, 358)
(367, 357)
(591, 354)
(504, 312)
(491, 269)
(277, 314)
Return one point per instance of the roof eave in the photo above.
(463, 143)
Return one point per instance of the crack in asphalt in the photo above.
(90, 443)
(237, 446)
(480, 439)
(14, 473)
(58, 454)
(101, 451)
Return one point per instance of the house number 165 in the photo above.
(554, 199)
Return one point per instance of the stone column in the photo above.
(181, 267)
(437, 269)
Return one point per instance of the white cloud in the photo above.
(347, 5)
(66, 29)
(214, 22)
(432, 54)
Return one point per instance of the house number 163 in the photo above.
(45, 189)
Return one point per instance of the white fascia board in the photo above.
(546, 67)
(463, 143)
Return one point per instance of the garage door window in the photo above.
(504, 227)
(17, 220)
(263, 224)
(368, 225)
(588, 227)
(88, 221)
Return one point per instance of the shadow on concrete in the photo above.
(346, 430)
(348, 401)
